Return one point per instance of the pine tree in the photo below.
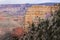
(54, 32)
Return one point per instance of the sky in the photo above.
(27, 1)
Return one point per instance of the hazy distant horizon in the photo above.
(28, 1)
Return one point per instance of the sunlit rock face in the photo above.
(42, 11)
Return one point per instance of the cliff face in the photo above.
(40, 11)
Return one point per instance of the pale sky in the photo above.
(27, 1)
